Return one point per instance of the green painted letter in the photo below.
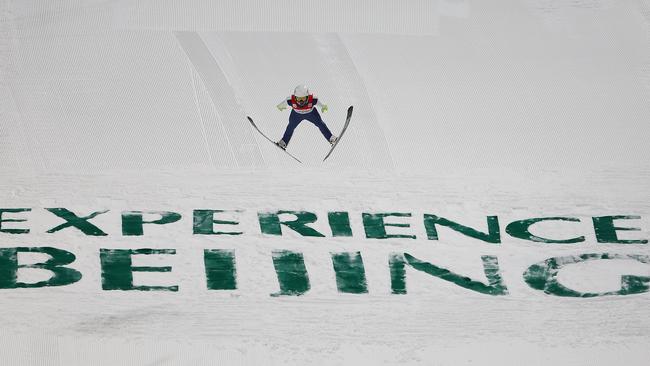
(270, 223)
(61, 275)
(291, 272)
(492, 236)
(521, 229)
(494, 287)
(397, 266)
(13, 231)
(350, 273)
(375, 226)
(132, 221)
(204, 223)
(606, 231)
(220, 269)
(80, 223)
(543, 276)
(339, 223)
(117, 269)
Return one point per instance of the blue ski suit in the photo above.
(309, 114)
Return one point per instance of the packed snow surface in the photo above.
(465, 110)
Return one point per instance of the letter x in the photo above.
(80, 223)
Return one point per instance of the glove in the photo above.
(324, 108)
(282, 107)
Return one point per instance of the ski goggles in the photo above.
(301, 99)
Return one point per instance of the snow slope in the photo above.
(463, 109)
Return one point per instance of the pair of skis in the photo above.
(345, 127)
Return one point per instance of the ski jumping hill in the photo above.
(488, 204)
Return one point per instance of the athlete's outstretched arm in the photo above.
(283, 105)
(322, 105)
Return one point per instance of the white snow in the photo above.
(463, 109)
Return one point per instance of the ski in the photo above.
(345, 127)
(273, 142)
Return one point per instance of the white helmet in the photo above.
(301, 91)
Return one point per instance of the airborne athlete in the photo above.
(303, 107)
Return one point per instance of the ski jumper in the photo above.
(306, 112)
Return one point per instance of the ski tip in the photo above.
(350, 108)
